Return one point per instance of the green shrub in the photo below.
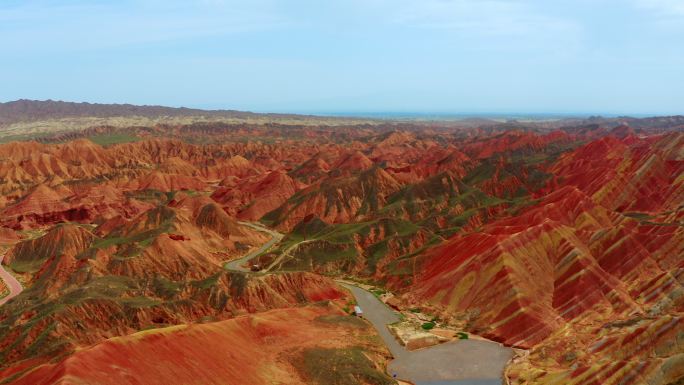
(428, 325)
(348, 366)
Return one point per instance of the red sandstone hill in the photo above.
(313, 168)
(162, 268)
(337, 199)
(271, 345)
(49, 205)
(8, 235)
(355, 161)
(251, 198)
(486, 147)
(566, 242)
(165, 182)
(638, 175)
(593, 250)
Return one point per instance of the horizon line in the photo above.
(382, 114)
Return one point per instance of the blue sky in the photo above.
(434, 56)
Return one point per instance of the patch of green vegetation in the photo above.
(106, 288)
(374, 253)
(481, 173)
(348, 306)
(332, 249)
(153, 326)
(26, 266)
(41, 339)
(638, 216)
(165, 287)
(340, 367)
(110, 139)
(320, 254)
(132, 245)
(17, 138)
(139, 302)
(208, 282)
(109, 287)
(518, 204)
(238, 283)
(192, 193)
(428, 325)
(152, 196)
(107, 242)
(128, 251)
(30, 234)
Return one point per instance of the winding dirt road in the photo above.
(286, 253)
(11, 282)
(469, 362)
(237, 265)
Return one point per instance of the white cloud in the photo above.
(663, 7)
(498, 25)
(487, 16)
(75, 25)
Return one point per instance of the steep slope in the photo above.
(629, 175)
(337, 199)
(554, 276)
(259, 347)
(250, 199)
(363, 249)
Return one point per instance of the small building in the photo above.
(357, 311)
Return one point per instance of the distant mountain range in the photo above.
(24, 110)
(33, 110)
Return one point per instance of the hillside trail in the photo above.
(10, 281)
(236, 265)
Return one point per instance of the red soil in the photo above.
(250, 349)
(527, 238)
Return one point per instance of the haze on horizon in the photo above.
(431, 56)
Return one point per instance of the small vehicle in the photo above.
(255, 268)
(357, 311)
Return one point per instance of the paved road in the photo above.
(379, 315)
(467, 362)
(11, 282)
(236, 265)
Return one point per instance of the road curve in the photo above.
(11, 282)
(468, 362)
(236, 265)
